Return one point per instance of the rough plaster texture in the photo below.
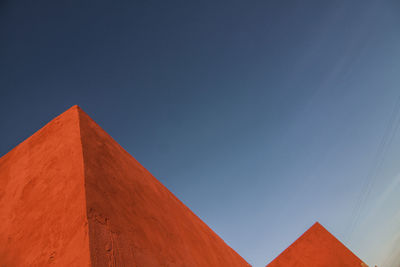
(42, 199)
(71, 196)
(317, 248)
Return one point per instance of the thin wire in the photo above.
(373, 173)
(375, 170)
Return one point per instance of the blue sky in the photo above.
(262, 116)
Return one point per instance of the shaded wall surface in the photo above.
(71, 196)
(317, 248)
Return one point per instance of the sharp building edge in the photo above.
(317, 248)
(43, 218)
(70, 195)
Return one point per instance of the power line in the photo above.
(374, 171)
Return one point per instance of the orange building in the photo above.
(317, 248)
(71, 196)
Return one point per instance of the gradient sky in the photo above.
(262, 116)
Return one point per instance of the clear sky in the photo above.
(262, 116)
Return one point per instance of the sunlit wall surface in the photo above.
(262, 116)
